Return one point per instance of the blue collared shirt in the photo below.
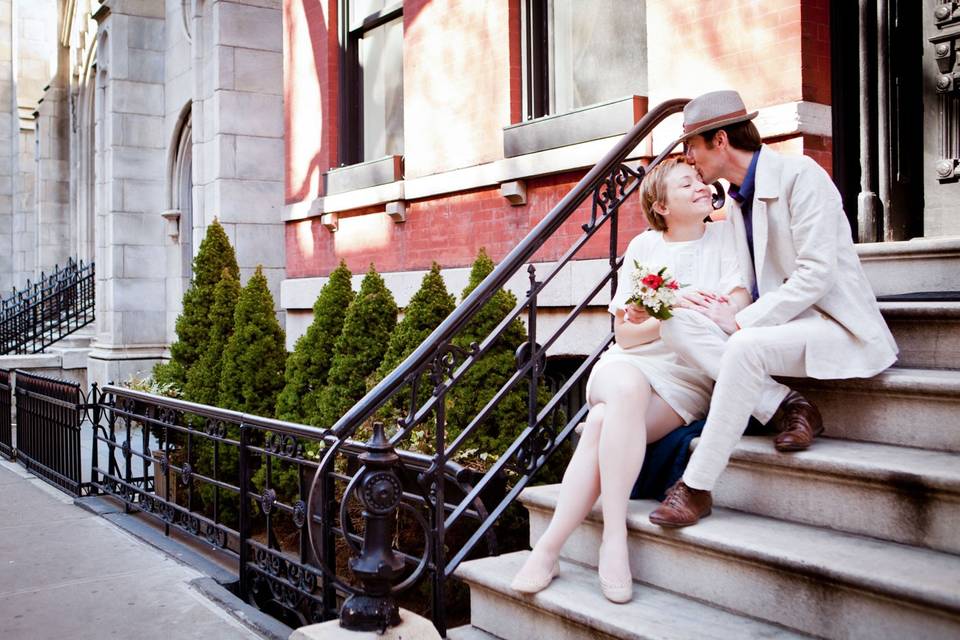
(743, 194)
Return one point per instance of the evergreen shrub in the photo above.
(428, 307)
(359, 349)
(203, 379)
(309, 364)
(255, 355)
(193, 325)
(489, 373)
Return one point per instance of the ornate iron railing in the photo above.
(37, 316)
(241, 483)
(50, 414)
(446, 363)
(315, 516)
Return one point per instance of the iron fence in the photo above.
(243, 483)
(6, 415)
(50, 413)
(33, 318)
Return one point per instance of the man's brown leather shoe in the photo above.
(682, 507)
(798, 421)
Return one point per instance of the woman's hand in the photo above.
(635, 313)
(718, 308)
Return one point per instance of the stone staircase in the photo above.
(65, 359)
(859, 537)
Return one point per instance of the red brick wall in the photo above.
(815, 50)
(310, 95)
(449, 229)
(462, 86)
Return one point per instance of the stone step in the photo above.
(905, 495)
(469, 632)
(909, 407)
(928, 333)
(573, 608)
(821, 582)
(921, 264)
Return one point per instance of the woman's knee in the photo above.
(616, 382)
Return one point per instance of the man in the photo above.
(813, 312)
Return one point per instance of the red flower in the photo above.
(673, 285)
(653, 281)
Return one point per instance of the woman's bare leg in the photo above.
(579, 490)
(626, 394)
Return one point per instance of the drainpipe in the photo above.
(867, 200)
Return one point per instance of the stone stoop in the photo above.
(906, 407)
(928, 333)
(921, 264)
(65, 359)
(810, 579)
(574, 609)
(905, 495)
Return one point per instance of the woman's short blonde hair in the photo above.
(653, 190)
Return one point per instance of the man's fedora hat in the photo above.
(712, 111)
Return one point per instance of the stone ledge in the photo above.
(594, 122)
(860, 461)
(574, 602)
(301, 293)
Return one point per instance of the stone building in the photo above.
(400, 133)
(139, 122)
(423, 130)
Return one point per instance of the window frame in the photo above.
(351, 31)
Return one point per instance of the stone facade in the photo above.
(153, 118)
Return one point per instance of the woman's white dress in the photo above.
(708, 264)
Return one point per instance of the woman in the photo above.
(639, 391)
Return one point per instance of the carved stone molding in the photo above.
(946, 55)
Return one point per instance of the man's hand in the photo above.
(635, 313)
(717, 308)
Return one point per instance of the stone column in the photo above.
(8, 140)
(238, 143)
(46, 96)
(130, 255)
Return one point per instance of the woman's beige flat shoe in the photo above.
(525, 584)
(618, 593)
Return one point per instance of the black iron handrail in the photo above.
(610, 183)
(514, 262)
(44, 312)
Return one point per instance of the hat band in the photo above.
(687, 128)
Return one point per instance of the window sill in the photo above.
(363, 175)
(594, 122)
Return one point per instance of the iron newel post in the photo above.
(377, 567)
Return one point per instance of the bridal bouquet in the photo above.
(655, 291)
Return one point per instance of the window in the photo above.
(581, 53)
(371, 102)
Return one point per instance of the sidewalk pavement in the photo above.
(66, 573)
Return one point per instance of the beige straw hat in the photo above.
(712, 111)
